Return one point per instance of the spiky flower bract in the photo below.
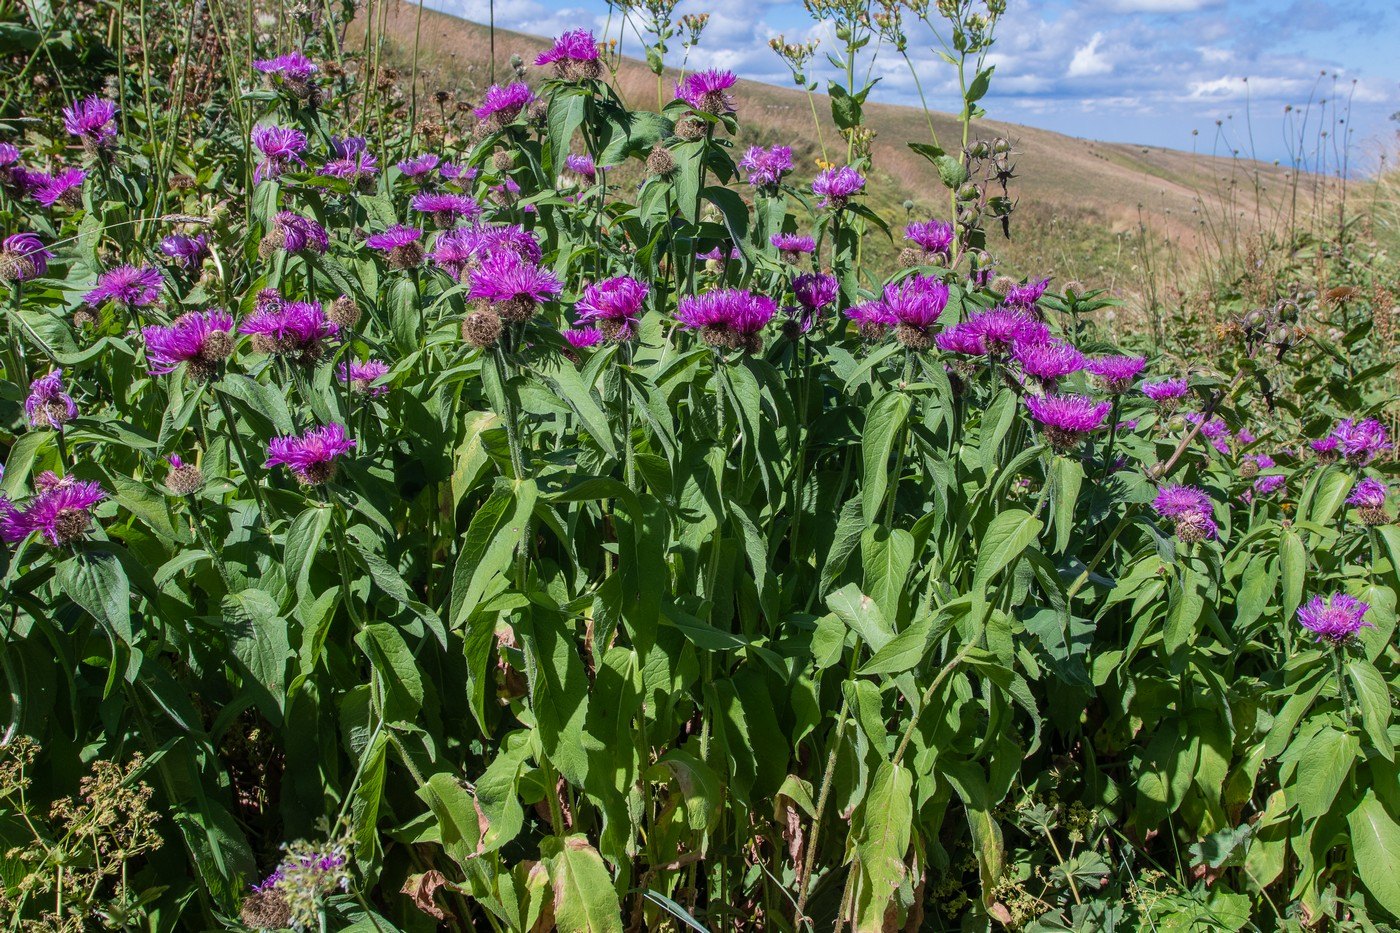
(293, 66)
(401, 245)
(65, 188)
(61, 512)
(815, 290)
(350, 160)
(1190, 508)
(915, 303)
(1026, 296)
(792, 246)
(311, 456)
(1336, 620)
(708, 91)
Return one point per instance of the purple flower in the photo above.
(766, 167)
(1368, 494)
(91, 120)
(451, 172)
(963, 340)
(418, 166)
(311, 457)
(727, 318)
(458, 250)
(1244, 437)
(9, 154)
(1360, 442)
(280, 148)
(511, 285)
(1002, 329)
(188, 251)
(1190, 508)
(1338, 619)
(719, 254)
(296, 329)
(837, 185)
(362, 376)
(792, 246)
(61, 512)
(1067, 419)
(1116, 373)
(1265, 485)
(294, 233)
(23, 256)
(502, 104)
(446, 208)
(128, 286)
(932, 236)
(613, 306)
(203, 339)
(1167, 394)
(582, 338)
(915, 303)
(708, 91)
(396, 237)
(293, 67)
(1026, 296)
(1214, 430)
(873, 319)
(351, 160)
(1048, 360)
(48, 406)
(815, 290)
(574, 56)
(64, 188)
(581, 164)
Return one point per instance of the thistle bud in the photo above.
(661, 162)
(344, 312)
(482, 328)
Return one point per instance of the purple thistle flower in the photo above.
(311, 457)
(1215, 430)
(613, 306)
(915, 303)
(188, 251)
(1328, 449)
(1190, 508)
(581, 165)
(1360, 442)
(837, 185)
(1368, 493)
(1049, 360)
(1116, 373)
(456, 251)
(727, 318)
(446, 208)
(61, 512)
(362, 376)
(574, 56)
(1067, 419)
(766, 167)
(1002, 329)
(1025, 296)
(708, 91)
(23, 256)
(1167, 393)
(815, 290)
(296, 329)
(91, 120)
(48, 406)
(280, 147)
(128, 286)
(1244, 437)
(400, 244)
(293, 67)
(1265, 485)
(963, 340)
(9, 154)
(584, 337)
(294, 233)
(502, 104)
(1337, 619)
(451, 172)
(932, 236)
(720, 254)
(873, 320)
(418, 166)
(203, 339)
(65, 188)
(350, 160)
(793, 246)
(511, 285)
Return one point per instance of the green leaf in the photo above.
(978, 88)
(492, 537)
(883, 421)
(888, 557)
(564, 116)
(1323, 767)
(569, 384)
(1183, 613)
(97, 582)
(1293, 565)
(951, 170)
(882, 838)
(1066, 477)
(1010, 533)
(584, 898)
(1373, 697)
(395, 664)
(1375, 843)
(904, 651)
(558, 691)
(262, 643)
(697, 783)
(302, 543)
(846, 110)
(862, 615)
(1331, 493)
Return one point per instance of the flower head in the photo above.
(963, 340)
(574, 56)
(1025, 296)
(311, 457)
(511, 285)
(873, 319)
(362, 376)
(1003, 329)
(815, 290)
(613, 307)
(48, 406)
(280, 148)
(708, 91)
(502, 104)
(766, 167)
(203, 339)
(1116, 373)
(456, 251)
(294, 894)
(295, 329)
(1190, 508)
(1067, 419)
(792, 247)
(292, 67)
(401, 244)
(915, 303)
(294, 233)
(580, 165)
(1368, 496)
(728, 318)
(92, 121)
(65, 188)
(1360, 442)
(183, 479)
(23, 256)
(1167, 394)
(836, 186)
(418, 166)
(931, 236)
(350, 160)
(128, 286)
(61, 512)
(1337, 620)
(580, 338)
(1048, 360)
(446, 208)
(1214, 430)
(188, 251)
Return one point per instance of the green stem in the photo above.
(809, 864)
(231, 427)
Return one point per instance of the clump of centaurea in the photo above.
(1336, 620)
(1214, 430)
(296, 330)
(202, 340)
(728, 318)
(579, 171)
(293, 72)
(294, 894)
(836, 186)
(293, 233)
(708, 91)
(813, 291)
(792, 247)
(1190, 508)
(311, 456)
(933, 243)
(446, 208)
(965, 343)
(351, 161)
(23, 256)
(362, 377)
(60, 511)
(613, 307)
(574, 56)
(400, 245)
(48, 405)
(1115, 373)
(183, 479)
(127, 286)
(512, 287)
(915, 304)
(873, 320)
(1368, 497)
(1048, 361)
(184, 250)
(1065, 420)
(281, 148)
(766, 167)
(93, 121)
(502, 105)
(1168, 394)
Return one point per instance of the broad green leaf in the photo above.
(884, 421)
(584, 898)
(862, 615)
(1375, 842)
(1010, 533)
(1373, 697)
(1067, 475)
(882, 839)
(888, 556)
(1323, 767)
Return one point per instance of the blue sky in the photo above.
(1143, 71)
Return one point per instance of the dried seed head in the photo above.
(344, 312)
(690, 129)
(482, 328)
(1249, 469)
(266, 910)
(660, 161)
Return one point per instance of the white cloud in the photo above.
(1089, 61)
